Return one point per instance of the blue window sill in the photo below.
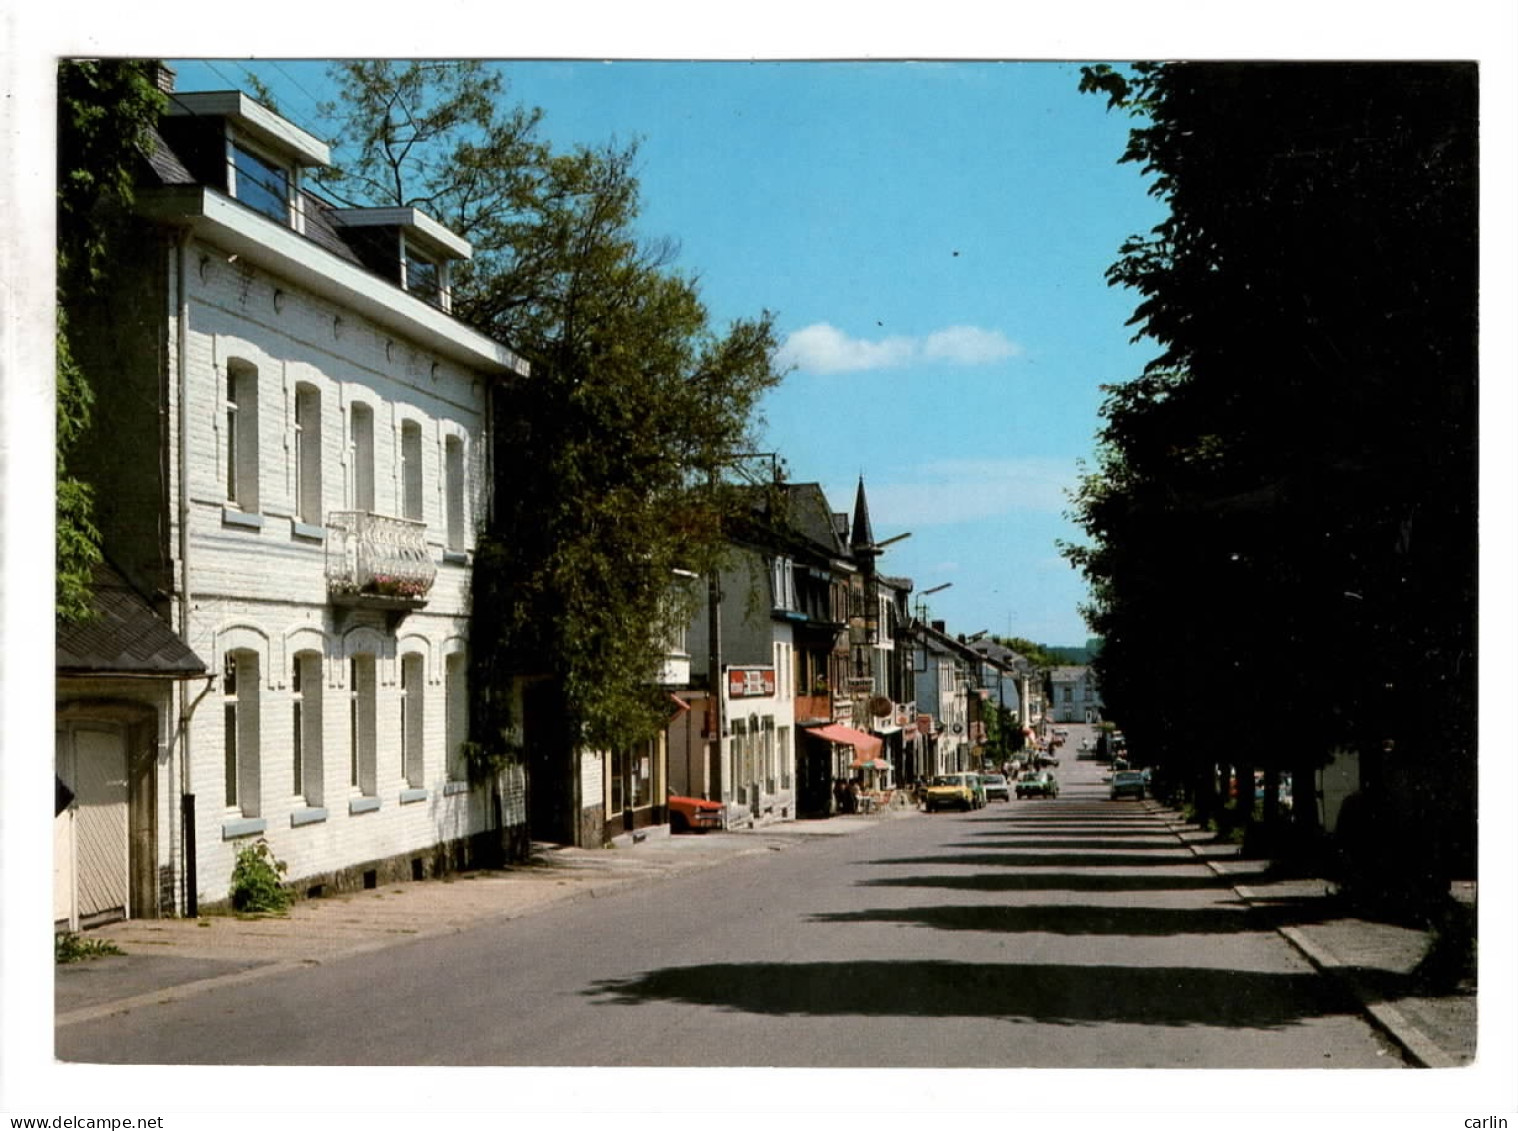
(248, 826)
(410, 796)
(455, 787)
(307, 531)
(307, 817)
(231, 516)
(363, 805)
(457, 557)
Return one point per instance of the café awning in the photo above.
(865, 745)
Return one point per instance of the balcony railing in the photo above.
(377, 561)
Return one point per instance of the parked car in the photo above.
(954, 791)
(1037, 783)
(1127, 783)
(692, 814)
(996, 787)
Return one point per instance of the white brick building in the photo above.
(293, 461)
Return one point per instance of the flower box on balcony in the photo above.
(378, 562)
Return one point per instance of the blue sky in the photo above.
(932, 237)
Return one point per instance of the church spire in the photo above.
(862, 535)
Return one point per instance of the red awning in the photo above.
(865, 745)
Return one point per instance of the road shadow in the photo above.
(1053, 881)
(1051, 994)
(1061, 919)
(1010, 859)
(1071, 843)
(1079, 832)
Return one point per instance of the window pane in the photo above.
(422, 277)
(261, 184)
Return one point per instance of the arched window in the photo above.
(240, 742)
(308, 454)
(361, 449)
(456, 675)
(306, 729)
(453, 474)
(411, 470)
(362, 724)
(413, 687)
(241, 469)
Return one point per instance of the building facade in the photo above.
(302, 464)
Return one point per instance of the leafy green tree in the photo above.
(1281, 518)
(106, 111)
(609, 458)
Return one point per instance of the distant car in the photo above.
(996, 787)
(1127, 783)
(954, 791)
(692, 814)
(1037, 783)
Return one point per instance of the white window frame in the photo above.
(413, 495)
(241, 738)
(307, 454)
(361, 461)
(241, 463)
(413, 719)
(363, 720)
(307, 762)
(292, 217)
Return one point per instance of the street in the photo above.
(1075, 932)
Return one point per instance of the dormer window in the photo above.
(260, 182)
(405, 246)
(228, 141)
(425, 276)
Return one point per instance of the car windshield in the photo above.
(1130, 776)
(945, 781)
(993, 779)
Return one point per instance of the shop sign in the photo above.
(750, 683)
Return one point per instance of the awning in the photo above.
(869, 764)
(865, 745)
(886, 729)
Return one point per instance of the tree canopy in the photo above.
(608, 456)
(1281, 518)
(106, 111)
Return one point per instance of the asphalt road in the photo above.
(1067, 933)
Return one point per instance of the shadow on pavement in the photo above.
(1061, 995)
(1074, 920)
(1010, 859)
(1054, 881)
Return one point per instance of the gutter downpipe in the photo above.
(186, 795)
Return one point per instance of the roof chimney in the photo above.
(163, 78)
(939, 626)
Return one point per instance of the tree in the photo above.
(609, 456)
(106, 112)
(1281, 518)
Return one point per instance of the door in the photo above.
(93, 763)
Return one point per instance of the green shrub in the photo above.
(69, 947)
(256, 885)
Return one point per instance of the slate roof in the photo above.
(125, 637)
(168, 170)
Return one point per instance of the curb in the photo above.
(1416, 1046)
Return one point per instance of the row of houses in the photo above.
(294, 453)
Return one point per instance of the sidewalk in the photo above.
(171, 959)
(1372, 960)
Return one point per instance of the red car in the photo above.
(691, 814)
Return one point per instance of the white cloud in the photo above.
(821, 348)
(950, 491)
(969, 345)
